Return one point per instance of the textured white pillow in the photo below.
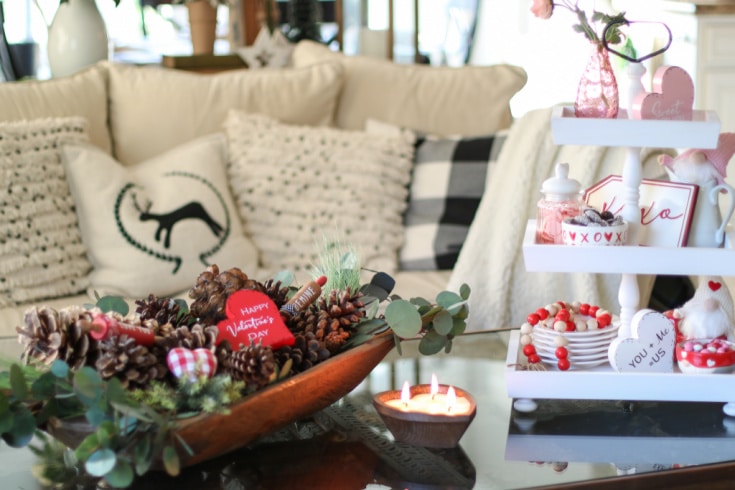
(153, 227)
(154, 109)
(83, 94)
(295, 185)
(467, 101)
(41, 251)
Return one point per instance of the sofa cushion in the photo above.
(41, 250)
(295, 185)
(83, 94)
(154, 109)
(153, 227)
(467, 101)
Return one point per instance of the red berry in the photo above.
(592, 311)
(604, 320)
(542, 313)
(564, 364)
(534, 359)
(571, 327)
(532, 318)
(563, 315)
(584, 309)
(561, 353)
(529, 350)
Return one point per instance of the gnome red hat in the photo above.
(718, 157)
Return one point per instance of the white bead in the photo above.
(553, 309)
(601, 312)
(525, 339)
(560, 326)
(575, 306)
(561, 341)
(526, 328)
(580, 324)
(592, 324)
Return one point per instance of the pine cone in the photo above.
(337, 316)
(278, 294)
(212, 289)
(48, 335)
(133, 364)
(163, 310)
(194, 337)
(305, 353)
(253, 364)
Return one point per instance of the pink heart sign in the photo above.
(651, 347)
(252, 317)
(191, 364)
(672, 97)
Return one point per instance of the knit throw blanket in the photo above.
(491, 260)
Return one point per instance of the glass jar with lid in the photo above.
(561, 199)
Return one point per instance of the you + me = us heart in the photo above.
(191, 364)
(651, 347)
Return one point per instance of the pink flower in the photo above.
(542, 8)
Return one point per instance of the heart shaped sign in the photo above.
(252, 317)
(650, 349)
(191, 364)
(672, 97)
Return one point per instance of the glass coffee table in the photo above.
(564, 443)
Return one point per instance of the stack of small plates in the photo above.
(586, 349)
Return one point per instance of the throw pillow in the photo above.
(190, 105)
(83, 94)
(41, 251)
(154, 227)
(468, 100)
(294, 185)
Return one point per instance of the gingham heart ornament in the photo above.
(651, 347)
(191, 364)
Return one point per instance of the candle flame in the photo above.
(451, 399)
(434, 386)
(405, 393)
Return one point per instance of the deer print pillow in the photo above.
(153, 227)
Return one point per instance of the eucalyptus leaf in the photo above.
(448, 347)
(458, 327)
(113, 303)
(115, 391)
(397, 343)
(88, 383)
(171, 461)
(372, 306)
(22, 429)
(60, 369)
(44, 387)
(121, 476)
(403, 318)
(142, 456)
(18, 382)
(100, 462)
(183, 443)
(452, 302)
(286, 278)
(106, 433)
(50, 409)
(432, 343)
(6, 416)
(420, 302)
(443, 322)
(464, 291)
(85, 448)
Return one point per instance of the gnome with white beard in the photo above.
(709, 313)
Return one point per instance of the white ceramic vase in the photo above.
(77, 37)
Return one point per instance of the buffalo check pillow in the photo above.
(448, 181)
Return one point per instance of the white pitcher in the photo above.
(708, 225)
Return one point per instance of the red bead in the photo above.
(542, 313)
(564, 364)
(604, 320)
(534, 359)
(529, 350)
(532, 318)
(561, 353)
(563, 315)
(571, 327)
(592, 311)
(584, 309)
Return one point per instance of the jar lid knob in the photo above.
(561, 187)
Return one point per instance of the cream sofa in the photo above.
(119, 124)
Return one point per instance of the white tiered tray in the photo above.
(603, 383)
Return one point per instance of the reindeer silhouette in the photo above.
(166, 222)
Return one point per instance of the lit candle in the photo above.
(434, 402)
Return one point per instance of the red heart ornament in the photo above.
(191, 364)
(672, 97)
(252, 317)
(714, 285)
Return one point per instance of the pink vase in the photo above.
(597, 93)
